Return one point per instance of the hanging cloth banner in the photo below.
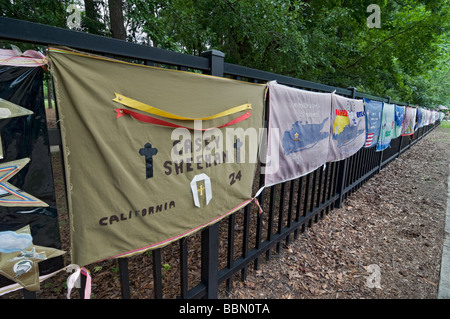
(299, 129)
(419, 119)
(387, 126)
(27, 195)
(426, 117)
(130, 173)
(399, 118)
(15, 57)
(373, 111)
(409, 121)
(348, 124)
(433, 117)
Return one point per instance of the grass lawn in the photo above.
(445, 124)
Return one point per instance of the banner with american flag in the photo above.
(373, 111)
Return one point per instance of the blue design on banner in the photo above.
(348, 135)
(298, 132)
(399, 115)
(387, 126)
(373, 121)
(303, 136)
(348, 128)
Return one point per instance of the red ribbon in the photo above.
(152, 120)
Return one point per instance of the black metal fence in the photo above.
(244, 239)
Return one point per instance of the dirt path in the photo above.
(391, 229)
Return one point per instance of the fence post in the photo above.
(210, 260)
(210, 236)
(216, 61)
(340, 183)
(342, 169)
(124, 278)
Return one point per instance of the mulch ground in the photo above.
(385, 242)
(392, 229)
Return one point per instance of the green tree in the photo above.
(326, 41)
(50, 12)
(92, 20)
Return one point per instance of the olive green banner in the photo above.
(139, 178)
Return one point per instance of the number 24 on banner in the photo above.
(233, 177)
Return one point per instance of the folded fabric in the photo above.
(409, 121)
(299, 129)
(27, 196)
(426, 117)
(15, 57)
(429, 117)
(373, 111)
(387, 126)
(433, 116)
(399, 118)
(419, 119)
(348, 127)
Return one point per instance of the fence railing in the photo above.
(244, 239)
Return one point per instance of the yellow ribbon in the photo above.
(153, 110)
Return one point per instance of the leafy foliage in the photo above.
(407, 58)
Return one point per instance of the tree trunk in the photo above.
(92, 16)
(116, 19)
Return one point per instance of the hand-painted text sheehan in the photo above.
(109, 220)
(198, 163)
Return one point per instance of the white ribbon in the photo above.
(74, 280)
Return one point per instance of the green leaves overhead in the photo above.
(324, 41)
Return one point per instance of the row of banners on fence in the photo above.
(152, 155)
(308, 129)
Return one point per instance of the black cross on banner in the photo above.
(148, 152)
